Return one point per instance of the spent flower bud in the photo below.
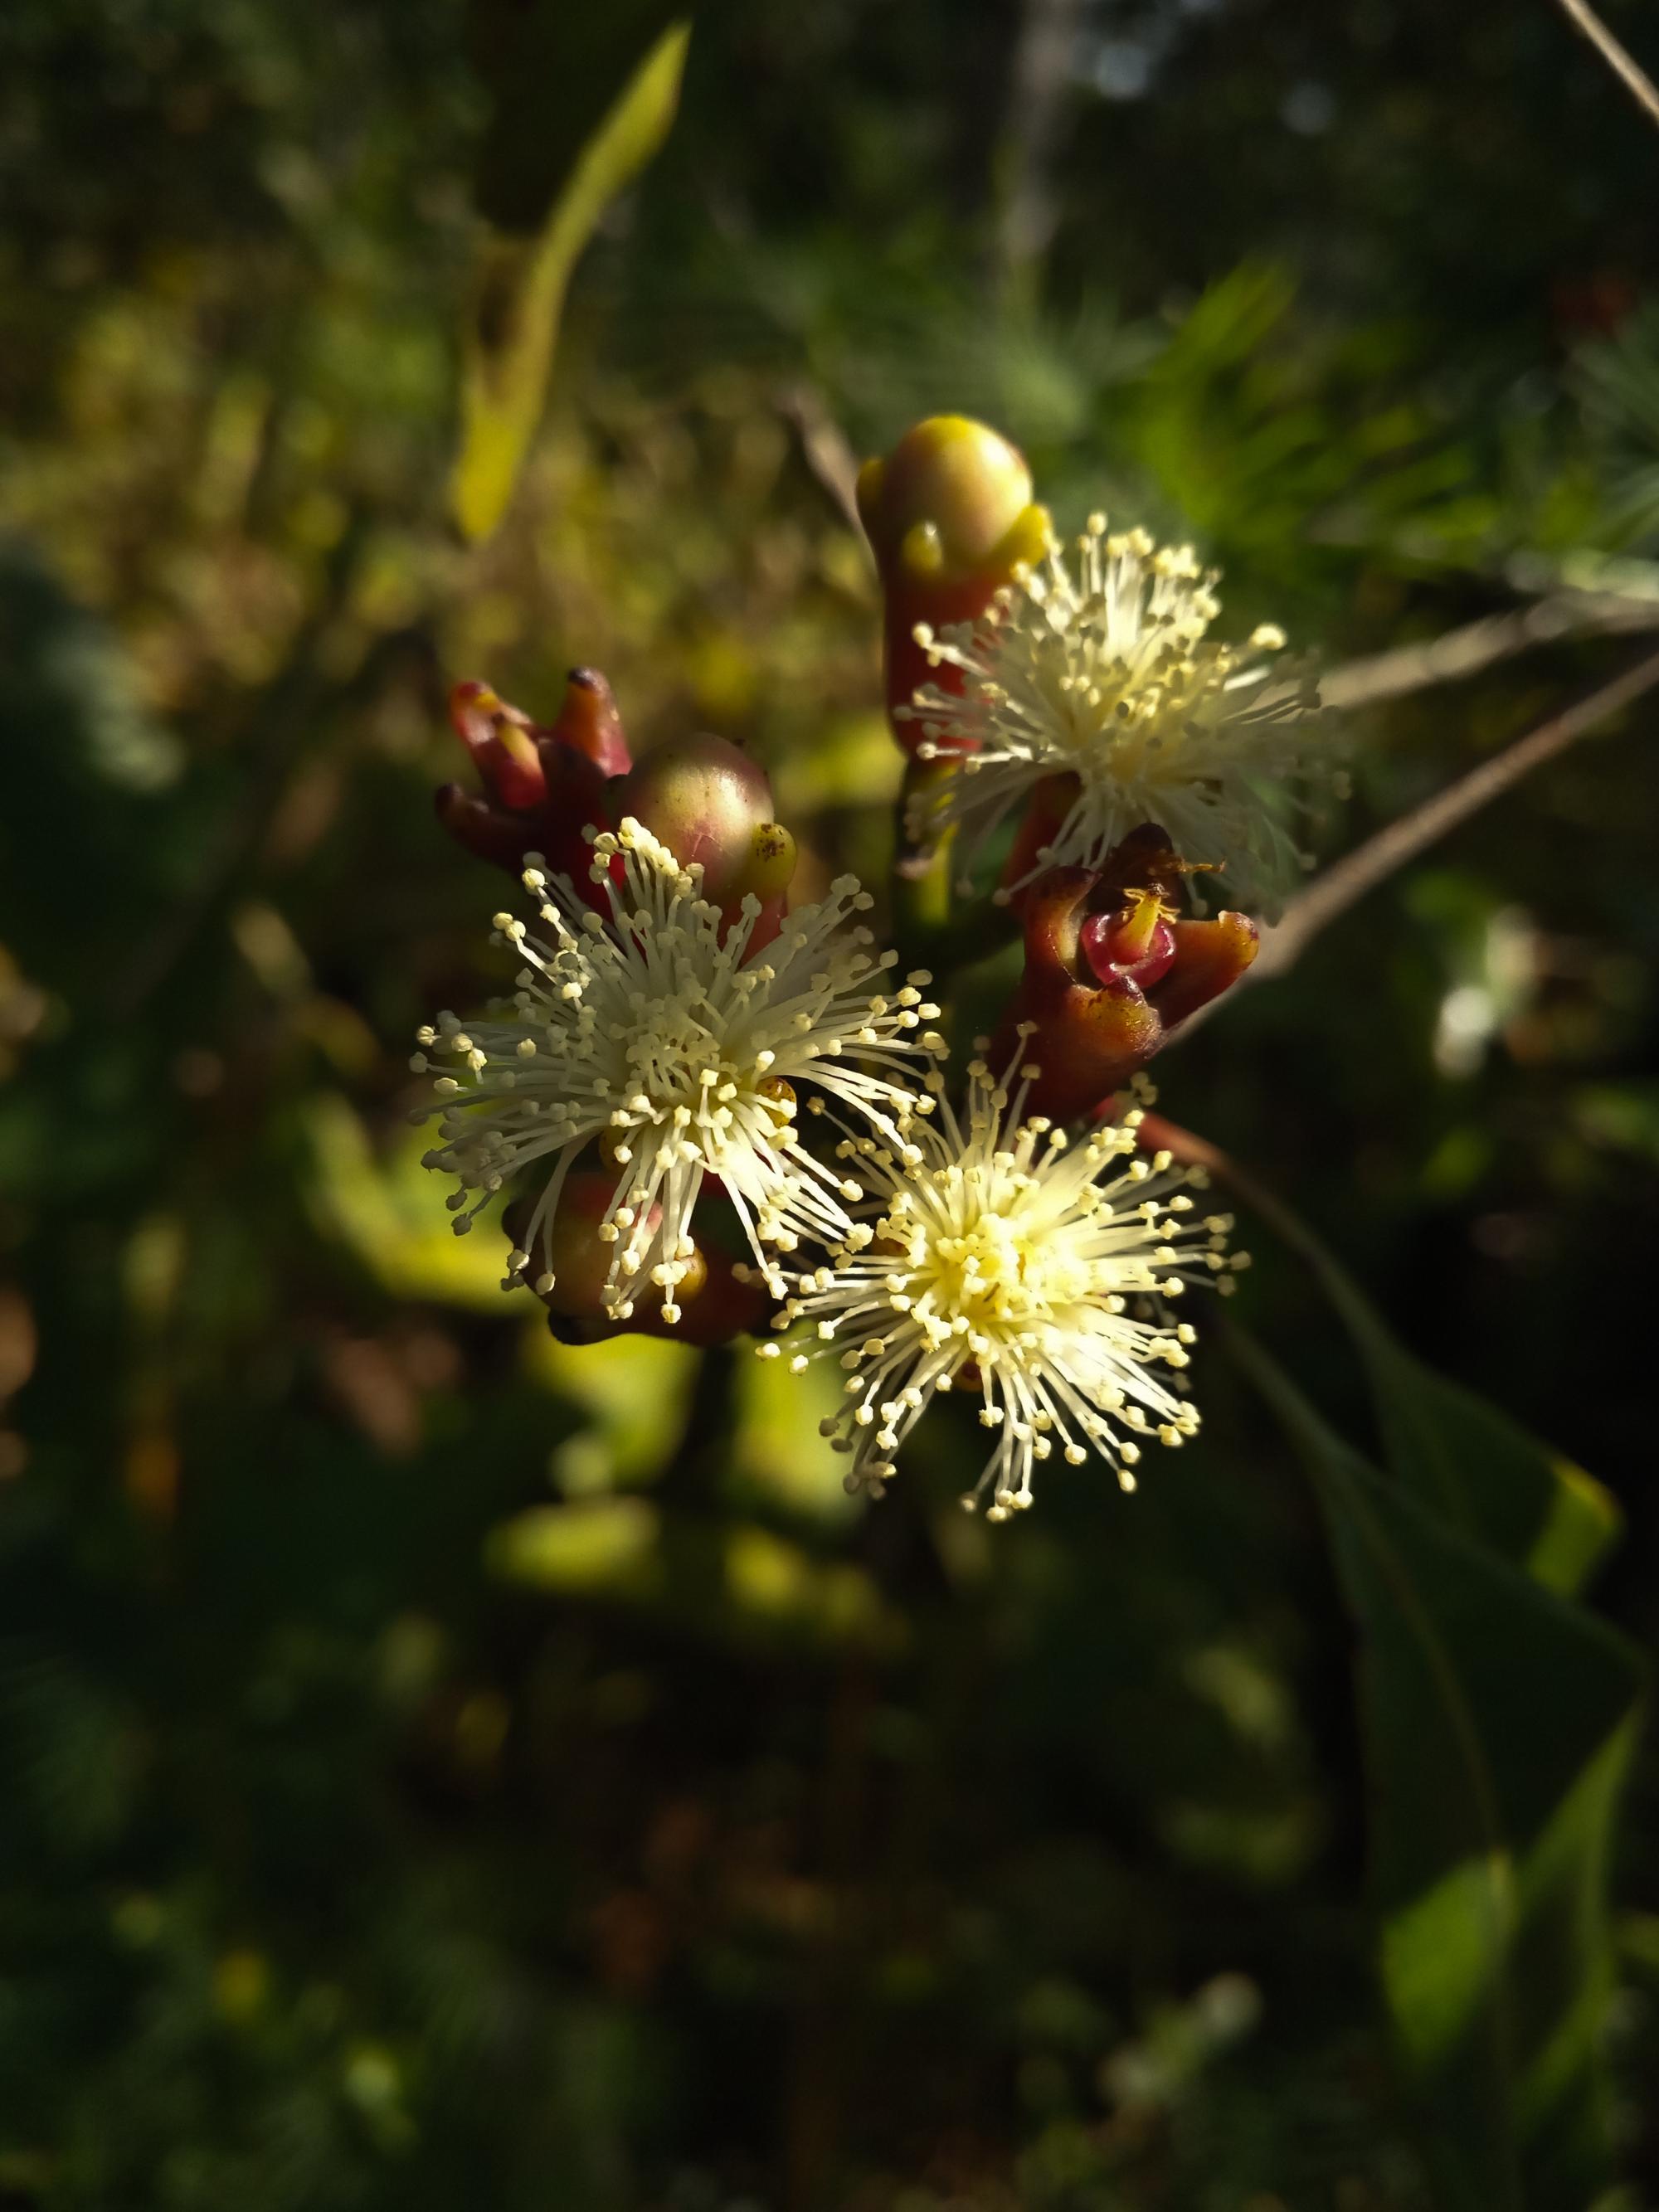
(1112, 970)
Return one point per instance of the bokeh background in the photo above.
(443, 1768)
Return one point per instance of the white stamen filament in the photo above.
(1013, 1262)
(1104, 671)
(655, 1028)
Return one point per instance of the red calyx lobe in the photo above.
(542, 785)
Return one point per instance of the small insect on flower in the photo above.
(1102, 674)
(654, 1029)
(1000, 1257)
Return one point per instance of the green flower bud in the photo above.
(946, 499)
(949, 516)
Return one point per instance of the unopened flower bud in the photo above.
(950, 517)
(712, 806)
(543, 784)
(1111, 969)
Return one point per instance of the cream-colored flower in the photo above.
(1001, 1257)
(658, 1032)
(1102, 669)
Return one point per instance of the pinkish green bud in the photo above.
(711, 806)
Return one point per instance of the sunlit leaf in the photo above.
(521, 286)
(635, 1392)
(383, 1211)
(1480, 1471)
(1499, 1720)
(777, 1443)
(603, 1545)
(732, 1583)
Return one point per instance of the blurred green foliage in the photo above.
(442, 1768)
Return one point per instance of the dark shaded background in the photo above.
(447, 1770)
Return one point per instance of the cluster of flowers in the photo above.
(713, 1113)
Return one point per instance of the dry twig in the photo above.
(825, 448)
(1394, 847)
(1478, 645)
(1158, 1133)
(1641, 85)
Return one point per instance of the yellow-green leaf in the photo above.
(1482, 1472)
(1498, 1720)
(520, 289)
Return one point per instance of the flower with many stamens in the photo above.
(996, 1254)
(657, 1030)
(1094, 687)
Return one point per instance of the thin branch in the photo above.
(825, 448)
(1639, 83)
(1157, 1134)
(1477, 645)
(1402, 841)
(1392, 848)
(1041, 74)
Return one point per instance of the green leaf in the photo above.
(383, 1211)
(1493, 1478)
(636, 1393)
(549, 71)
(521, 286)
(1499, 1720)
(1480, 1471)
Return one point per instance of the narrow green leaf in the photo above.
(1480, 1471)
(1533, 1504)
(549, 71)
(515, 322)
(1499, 1720)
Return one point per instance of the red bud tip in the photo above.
(501, 742)
(588, 720)
(542, 785)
